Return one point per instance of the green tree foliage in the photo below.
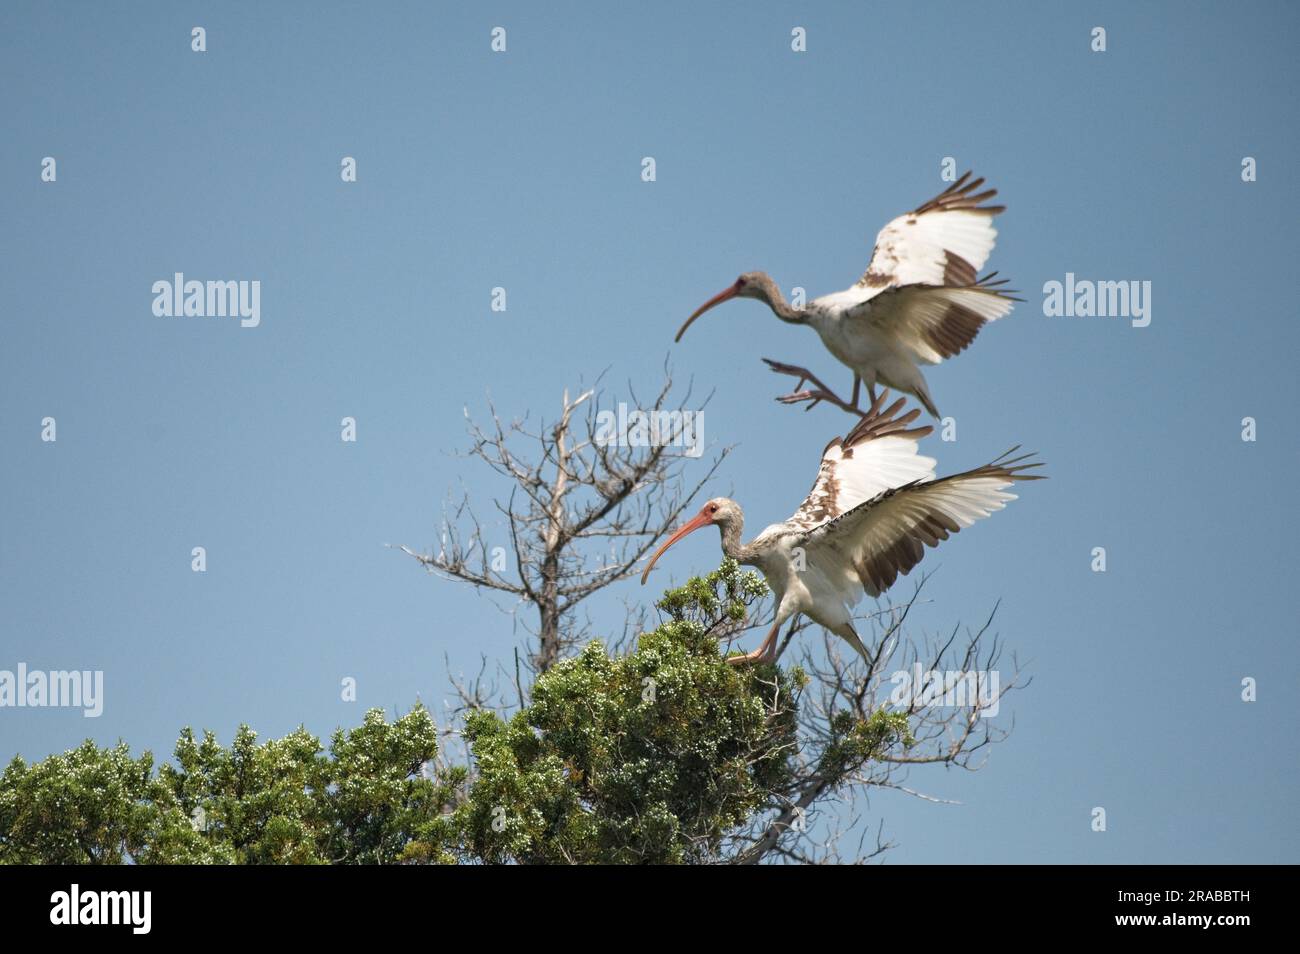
(661, 755)
(86, 806)
(282, 801)
(651, 757)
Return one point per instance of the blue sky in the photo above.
(522, 170)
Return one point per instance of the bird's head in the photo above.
(719, 511)
(756, 285)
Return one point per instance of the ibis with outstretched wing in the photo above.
(919, 302)
(874, 508)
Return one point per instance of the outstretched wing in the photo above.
(878, 454)
(869, 547)
(946, 241)
(933, 323)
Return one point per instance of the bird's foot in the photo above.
(759, 656)
(814, 395)
(765, 653)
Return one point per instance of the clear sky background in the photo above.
(522, 170)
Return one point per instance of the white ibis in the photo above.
(872, 511)
(918, 302)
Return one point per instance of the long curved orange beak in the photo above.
(701, 519)
(718, 299)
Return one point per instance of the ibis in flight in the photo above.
(919, 301)
(874, 508)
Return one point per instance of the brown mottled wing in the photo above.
(934, 323)
(879, 453)
(869, 547)
(944, 242)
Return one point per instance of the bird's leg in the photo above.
(857, 386)
(814, 395)
(765, 653)
(850, 634)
